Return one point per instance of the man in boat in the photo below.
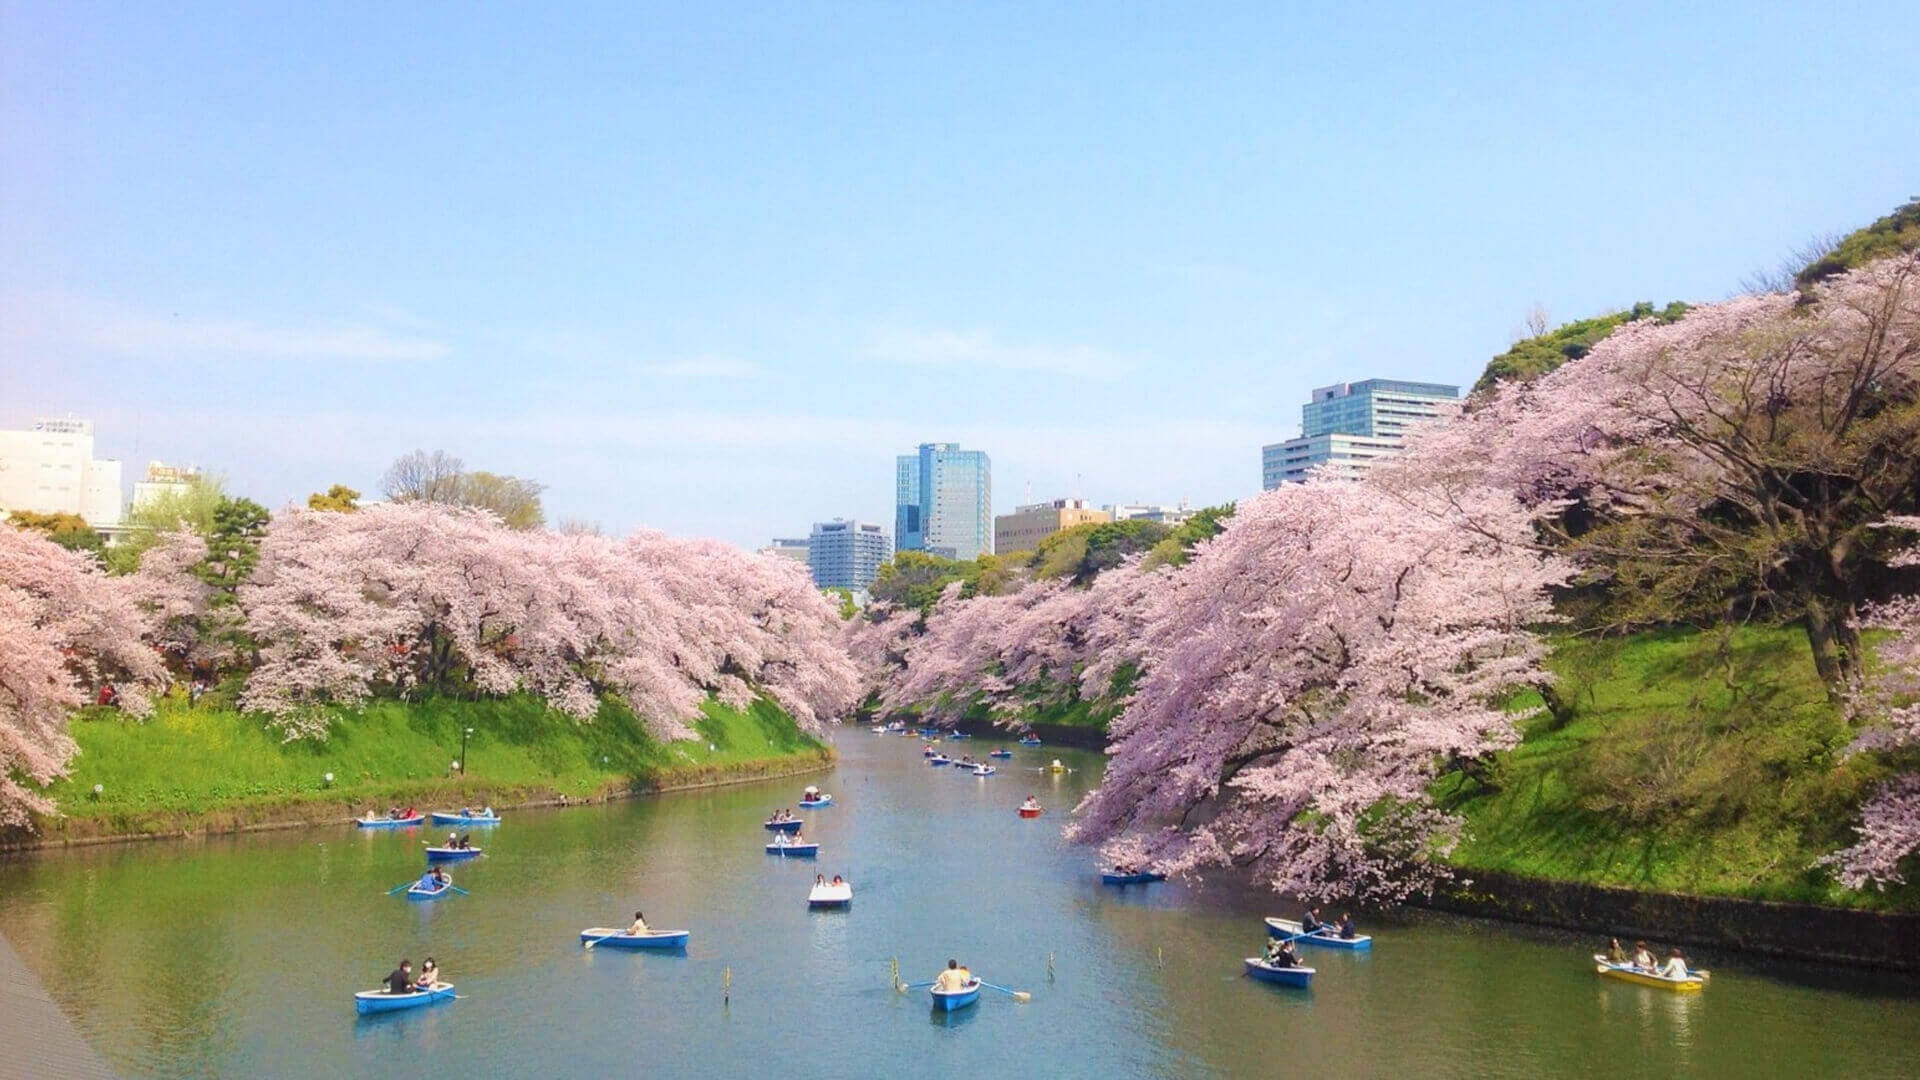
(639, 925)
(400, 980)
(453, 841)
(436, 879)
(1676, 967)
(1280, 953)
(953, 979)
(812, 793)
(1310, 922)
(1346, 926)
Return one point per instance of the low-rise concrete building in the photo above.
(1023, 529)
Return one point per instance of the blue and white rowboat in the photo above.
(612, 937)
(1000, 753)
(984, 770)
(815, 804)
(448, 818)
(830, 895)
(1140, 878)
(794, 851)
(1030, 740)
(379, 1001)
(1265, 972)
(949, 1000)
(452, 854)
(958, 735)
(390, 823)
(938, 760)
(416, 891)
(784, 826)
(1288, 928)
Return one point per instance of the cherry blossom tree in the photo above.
(65, 628)
(1307, 674)
(1737, 460)
(418, 597)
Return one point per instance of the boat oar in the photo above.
(1020, 996)
(904, 987)
(402, 885)
(458, 889)
(602, 938)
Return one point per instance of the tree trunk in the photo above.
(1836, 644)
(1558, 707)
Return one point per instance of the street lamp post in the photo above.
(464, 733)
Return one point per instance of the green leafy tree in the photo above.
(1205, 524)
(1082, 552)
(913, 579)
(1534, 356)
(1890, 235)
(339, 499)
(439, 477)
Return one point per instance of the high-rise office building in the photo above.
(50, 469)
(1349, 426)
(943, 499)
(847, 554)
(1023, 529)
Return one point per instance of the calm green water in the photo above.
(238, 957)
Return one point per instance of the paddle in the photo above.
(1020, 996)
(402, 885)
(601, 938)
(458, 889)
(904, 987)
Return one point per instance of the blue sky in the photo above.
(709, 267)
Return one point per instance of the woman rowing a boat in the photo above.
(1346, 926)
(639, 925)
(1280, 953)
(1676, 966)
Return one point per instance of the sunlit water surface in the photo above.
(239, 956)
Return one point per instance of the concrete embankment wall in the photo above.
(1837, 935)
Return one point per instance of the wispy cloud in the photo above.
(979, 348)
(67, 321)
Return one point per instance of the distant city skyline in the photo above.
(712, 281)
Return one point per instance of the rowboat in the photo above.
(613, 937)
(938, 760)
(1281, 928)
(792, 825)
(958, 735)
(949, 1000)
(1695, 980)
(390, 823)
(379, 1001)
(416, 891)
(447, 818)
(1285, 976)
(452, 854)
(815, 804)
(830, 895)
(1055, 767)
(1139, 877)
(1031, 811)
(1000, 753)
(797, 851)
(1031, 740)
(984, 770)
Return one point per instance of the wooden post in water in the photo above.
(726, 988)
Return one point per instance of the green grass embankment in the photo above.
(210, 768)
(1694, 762)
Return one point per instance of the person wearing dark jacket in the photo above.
(401, 980)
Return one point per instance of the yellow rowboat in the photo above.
(1695, 980)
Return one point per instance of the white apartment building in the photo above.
(50, 469)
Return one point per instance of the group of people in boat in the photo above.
(394, 813)
(811, 794)
(468, 811)
(820, 880)
(1311, 923)
(1643, 961)
(784, 839)
(459, 842)
(782, 814)
(955, 978)
(434, 879)
(401, 980)
(1032, 803)
(1280, 953)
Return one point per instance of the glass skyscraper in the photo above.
(1349, 426)
(943, 501)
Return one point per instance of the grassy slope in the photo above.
(188, 761)
(1691, 766)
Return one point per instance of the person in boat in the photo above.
(1642, 956)
(435, 878)
(837, 880)
(1310, 922)
(639, 925)
(1346, 926)
(1280, 953)
(1616, 953)
(953, 979)
(429, 974)
(1676, 967)
(488, 812)
(453, 841)
(400, 979)
(1032, 803)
